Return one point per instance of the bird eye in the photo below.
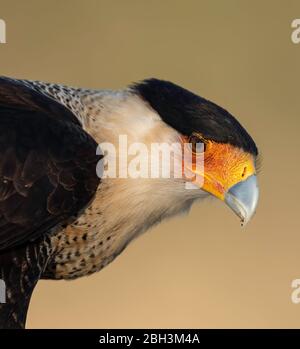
(194, 144)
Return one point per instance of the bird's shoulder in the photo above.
(47, 164)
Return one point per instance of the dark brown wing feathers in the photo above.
(47, 164)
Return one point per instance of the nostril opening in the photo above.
(244, 171)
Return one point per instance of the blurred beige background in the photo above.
(202, 270)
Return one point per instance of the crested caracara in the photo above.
(59, 219)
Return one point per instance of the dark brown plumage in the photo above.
(47, 176)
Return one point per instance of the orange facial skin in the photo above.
(224, 166)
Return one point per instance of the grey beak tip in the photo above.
(242, 198)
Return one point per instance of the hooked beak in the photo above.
(242, 198)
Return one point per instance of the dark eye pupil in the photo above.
(194, 140)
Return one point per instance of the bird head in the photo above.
(228, 151)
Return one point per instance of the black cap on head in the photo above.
(187, 113)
